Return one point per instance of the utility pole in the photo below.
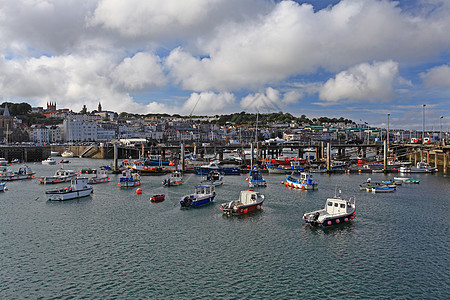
(388, 133)
(441, 141)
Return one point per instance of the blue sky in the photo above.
(358, 59)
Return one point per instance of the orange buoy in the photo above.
(139, 191)
(245, 211)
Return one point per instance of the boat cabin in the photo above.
(306, 176)
(204, 189)
(336, 206)
(248, 197)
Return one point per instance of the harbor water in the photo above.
(116, 244)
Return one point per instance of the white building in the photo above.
(39, 134)
(75, 129)
(55, 134)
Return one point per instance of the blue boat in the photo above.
(213, 166)
(256, 179)
(203, 194)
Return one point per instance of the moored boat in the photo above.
(337, 211)
(174, 179)
(381, 189)
(24, 172)
(100, 176)
(2, 186)
(305, 182)
(129, 179)
(78, 188)
(214, 178)
(214, 166)
(421, 167)
(407, 180)
(60, 176)
(248, 201)
(49, 161)
(203, 194)
(158, 198)
(67, 154)
(255, 179)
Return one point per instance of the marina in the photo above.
(117, 239)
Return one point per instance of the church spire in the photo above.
(6, 111)
(99, 107)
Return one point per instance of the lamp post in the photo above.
(423, 122)
(387, 135)
(441, 141)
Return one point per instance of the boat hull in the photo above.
(127, 184)
(243, 209)
(196, 201)
(226, 171)
(333, 221)
(94, 180)
(63, 195)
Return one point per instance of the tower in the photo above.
(99, 107)
(51, 106)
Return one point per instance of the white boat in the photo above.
(203, 194)
(175, 178)
(100, 176)
(407, 180)
(305, 182)
(3, 161)
(23, 173)
(49, 161)
(67, 154)
(54, 153)
(421, 167)
(214, 177)
(78, 188)
(2, 186)
(248, 201)
(336, 211)
(129, 179)
(60, 176)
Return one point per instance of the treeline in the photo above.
(23, 112)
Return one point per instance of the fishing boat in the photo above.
(129, 179)
(49, 161)
(381, 189)
(255, 179)
(294, 165)
(248, 201)
(24, 172)
(67, 154)
(421, 167)
(407, 180)
(337, 211)
(305, 182)
(78, 188)
(2, 186)
(214, 166)
(175, 178)
(203, 194)
(99, 176)
(60, 176)
(214, 178)
(158, 198)
(3, 161)
(143, 169)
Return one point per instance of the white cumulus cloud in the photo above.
(362, 82)
(437, 77)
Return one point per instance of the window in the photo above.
(330, 203)
(342, 205)
(336, 204)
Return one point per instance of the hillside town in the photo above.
(52, 125)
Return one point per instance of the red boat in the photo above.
(157, 198)
(287, 161)
(249, 201)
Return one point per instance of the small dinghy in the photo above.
(158, 198)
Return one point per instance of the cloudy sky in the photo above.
(359, 59)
